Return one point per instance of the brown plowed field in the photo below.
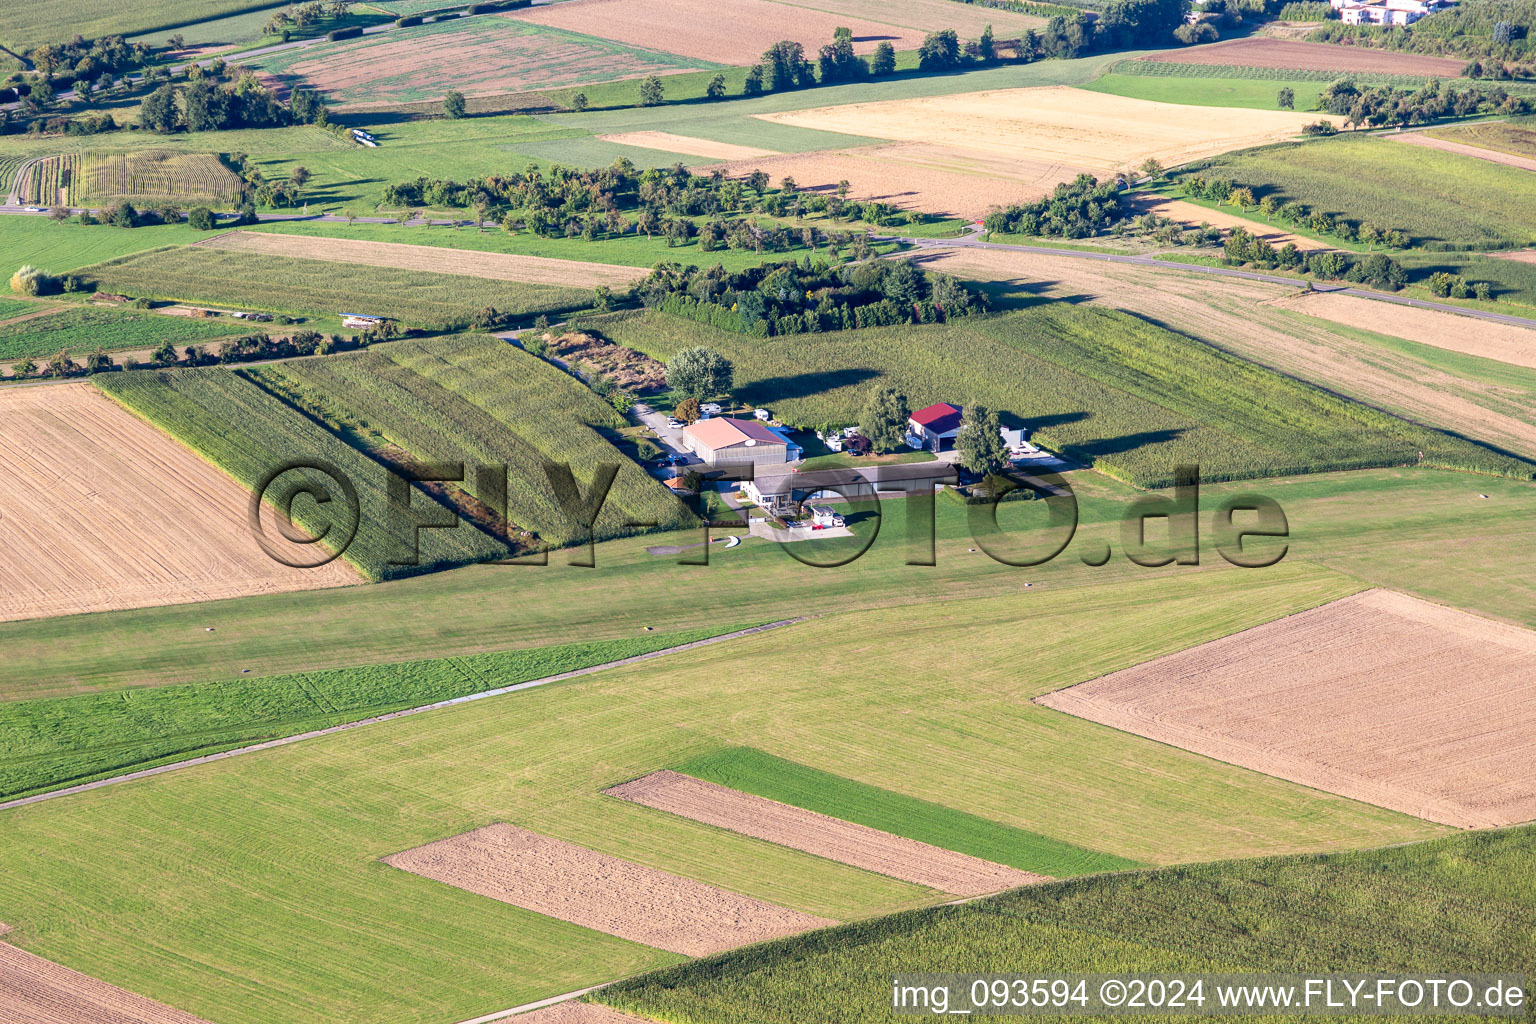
(832, 838)
(99, 510)
(1486, 338)
(1057, 125)
(1378, 697)
(1265, 52)
(669, 143)
(575, 1012)
(601, 892)
(1491, 155)
(496, 266)
(916, 176)
(929, 15)
(38, 991)
(701, 30)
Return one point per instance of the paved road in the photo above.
(285, 740)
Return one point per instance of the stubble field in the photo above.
(1379, 697)
(1057, 124)
(494, 266)
(1482, 338)
(695, 29)
(103, 511)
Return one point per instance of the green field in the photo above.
(1208, 91)
(479, 401)
(83, 330)
(752, 771)
(249, 433)
(19, 307)
(1467, 900)
(1100, 386)
(60, 248)
(455, 55)
(26, 25)
(1442, 199)
(137, 884)
(45, 744)
(291, 285)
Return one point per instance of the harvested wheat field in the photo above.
(1378, 697)
(832, 838)
(496, 266)
(669, 143)
(601, 892)
(1467, 335)
(1266, 52)
(1491, 155)
(696, 28)
(1058, 125)
(917, 176)
(99, 510)
(38, 991)
(1194, 214)
(573, 1012)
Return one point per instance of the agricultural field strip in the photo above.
(1301, 698)
(405, 713)
(33, 989)
(437, 259)
(821, 835)
(1284, 54)
(158, 175)
(601, 892)
(103, 511)
(1449, 146)
(81, 329)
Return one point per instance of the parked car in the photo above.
(675, 423)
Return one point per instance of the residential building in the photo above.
(935, 427)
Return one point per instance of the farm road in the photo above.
(360, 723)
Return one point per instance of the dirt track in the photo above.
(1378, 697)
(99, 510)
(600, 892)
(669, 143)
(1266, 52)
(1491, 155)
(832, 838)
(38, 991)
(496, 266)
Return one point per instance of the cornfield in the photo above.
(478, 401)
(1100, 386)
(249, 433)
(160, 176)
(51, 181)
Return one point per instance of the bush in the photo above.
(30, 280)
(344, 33)
(408, 21)
(125, 216)
(1201, 32)
(202, 219)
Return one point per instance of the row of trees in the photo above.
(1385, 105)
(1377, 269)
(203, 105)
(1079, 208)
(808, 297)
(245, 349)
(1273, 205)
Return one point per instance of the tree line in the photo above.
(1079, 208)
(1499, 29)
(808, 297)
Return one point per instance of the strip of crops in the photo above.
(293, 285)
(1124, 395)
(8, 165)
(160, 176)
(1160, 69)
(50, 181)
(68, 740)
(249, 433)
(550, 419)
(548, 412)
(82, 330)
